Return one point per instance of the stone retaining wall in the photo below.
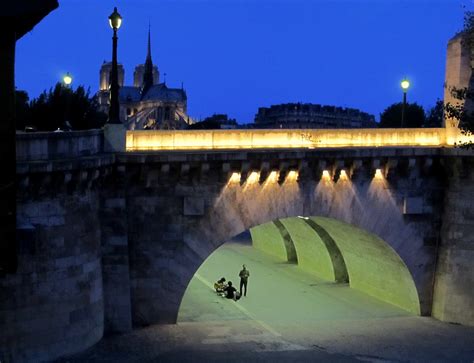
(53, 305)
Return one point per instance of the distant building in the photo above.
(216, 121)
(148, 104)
(311, 116)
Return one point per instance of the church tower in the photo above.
(105, 70)
(142, 71)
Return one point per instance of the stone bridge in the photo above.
(109, 241)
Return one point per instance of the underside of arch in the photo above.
(341, 252)
(274, 239)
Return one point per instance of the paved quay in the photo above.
(288, 316)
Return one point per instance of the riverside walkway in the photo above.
(288, 316)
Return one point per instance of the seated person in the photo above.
(231, 292)
(220, 285)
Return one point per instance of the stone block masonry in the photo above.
(54, 304)
(454, 283)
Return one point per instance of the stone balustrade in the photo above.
(58, 145)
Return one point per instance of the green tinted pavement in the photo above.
(279, 292)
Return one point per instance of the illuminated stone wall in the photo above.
(282, 139)
(267, 238)
(313, 256)
(372, 265)
(339, 252)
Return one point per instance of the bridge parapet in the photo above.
(283, 139)
(58, 145)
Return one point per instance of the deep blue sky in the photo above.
(236, 55)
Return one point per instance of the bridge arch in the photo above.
(217, 215)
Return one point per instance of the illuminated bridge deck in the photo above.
(287, 139)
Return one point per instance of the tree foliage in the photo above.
(434, 116)
(391, 117)
(61, 107)
(216, 121)
(462, 112)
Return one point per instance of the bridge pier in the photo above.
(454, 282)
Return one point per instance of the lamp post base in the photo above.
(115, 138)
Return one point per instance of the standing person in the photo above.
(244, 277)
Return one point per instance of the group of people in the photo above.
(225, 289)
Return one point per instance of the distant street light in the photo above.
(405, 84)
(67, 79)
(115, 20)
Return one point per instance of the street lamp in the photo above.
(115, 20)
(405, 84)
(67, 79)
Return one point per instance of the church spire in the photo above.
(148, 74)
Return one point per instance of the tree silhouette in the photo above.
(434, 117)
(62, 107)
(392, 116)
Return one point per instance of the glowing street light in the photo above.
(405, 84)
(67, 79)
(115, 20)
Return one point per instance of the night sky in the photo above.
(237, 55)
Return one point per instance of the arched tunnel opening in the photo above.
(302, 270)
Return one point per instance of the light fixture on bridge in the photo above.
(326, 176)
(378, 174)
(234, 178)
(272, 177)
(292, 175)
(253, 177)
(343, 175)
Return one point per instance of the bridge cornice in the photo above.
(234, 155)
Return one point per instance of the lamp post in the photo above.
(67, 80)
(115, 20)
(405, 84)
